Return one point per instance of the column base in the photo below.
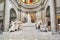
(53, 31)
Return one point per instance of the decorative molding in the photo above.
(15, 3)
(29, 5)
(29, 10)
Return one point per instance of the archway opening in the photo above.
(12, 15)
(48, 18)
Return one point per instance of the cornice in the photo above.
(29, 5)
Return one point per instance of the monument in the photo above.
(28, 18)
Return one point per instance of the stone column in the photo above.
(7, 16)
(52, 15)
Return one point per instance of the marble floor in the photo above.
(29, 33)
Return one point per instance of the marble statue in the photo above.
(29, 18)
(12, 26)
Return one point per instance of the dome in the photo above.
(30, 1)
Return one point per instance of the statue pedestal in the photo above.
(28, 24)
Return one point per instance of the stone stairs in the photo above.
(29, 33)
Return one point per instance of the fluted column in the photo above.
(7, 16)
